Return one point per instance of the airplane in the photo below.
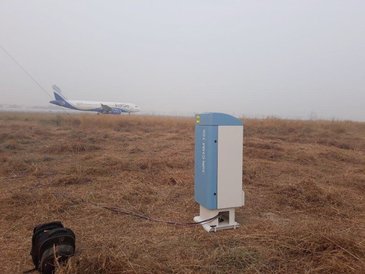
(95, 106)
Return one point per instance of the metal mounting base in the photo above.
(226, 220)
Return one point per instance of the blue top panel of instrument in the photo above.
(217, 119)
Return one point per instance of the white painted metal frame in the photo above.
(226, 221)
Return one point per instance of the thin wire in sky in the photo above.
(23, 69)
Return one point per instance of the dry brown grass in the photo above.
(304, 181)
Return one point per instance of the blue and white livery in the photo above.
(95, 106)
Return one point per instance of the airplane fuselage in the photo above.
(95, 106)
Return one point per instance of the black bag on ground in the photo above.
(52, 244)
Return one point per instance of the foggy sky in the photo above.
(291, 59)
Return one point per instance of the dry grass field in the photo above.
(304, 184)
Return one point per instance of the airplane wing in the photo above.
(106, 108)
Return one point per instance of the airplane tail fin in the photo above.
(60, 100)
(58, 94)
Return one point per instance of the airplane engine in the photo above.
(116, 111)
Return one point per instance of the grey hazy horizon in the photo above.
(290, 59)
